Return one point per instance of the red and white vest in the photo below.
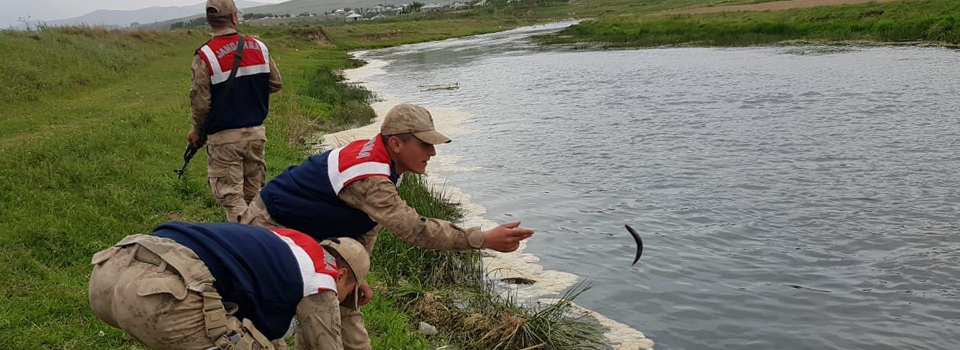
(248, 101)
(305, 197)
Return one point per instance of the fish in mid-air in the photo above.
(636, 237)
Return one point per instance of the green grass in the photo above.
(39, 63)
(451, 291)
(94, 122)
(740, 2)
(936, 22)
(81, 166)
(349, 103)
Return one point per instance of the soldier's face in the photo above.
(346, 291)
(344, 287)
(414, 155)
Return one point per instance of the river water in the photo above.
(788, 197)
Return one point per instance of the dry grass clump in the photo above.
(451, 291)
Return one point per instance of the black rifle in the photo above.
(189, 152)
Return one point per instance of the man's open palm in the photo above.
(505, 238)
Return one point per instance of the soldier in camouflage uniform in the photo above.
(226, 286)
(352, 192)
(231, 113)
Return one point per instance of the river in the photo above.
(788, 197)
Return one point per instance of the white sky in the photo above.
(49, 10)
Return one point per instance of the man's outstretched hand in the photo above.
(505, 238)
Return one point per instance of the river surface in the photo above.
(788, 197)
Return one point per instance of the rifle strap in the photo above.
(236, 66)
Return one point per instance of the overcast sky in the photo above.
(48, 10)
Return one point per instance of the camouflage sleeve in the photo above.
(370, 238)
(378, 197)
(319, 322)
(276, 83)
(199, 93)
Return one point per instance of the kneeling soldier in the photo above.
(226, 286)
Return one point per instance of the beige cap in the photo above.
(413, 119)
(356, 256)
(221, 8)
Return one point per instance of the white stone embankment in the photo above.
(548, 284)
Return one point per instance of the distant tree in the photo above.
(415, 6)
(546, 2)
(252, 16)
(198, 22)
(25, 20)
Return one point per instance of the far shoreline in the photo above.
(778, 23)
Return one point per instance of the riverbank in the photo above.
(930, 22)
(527, 282)
(88, 148)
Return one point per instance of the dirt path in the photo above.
(774, 6)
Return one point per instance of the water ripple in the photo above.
(786, 201)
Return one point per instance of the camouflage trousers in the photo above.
(353, 331)
(161, 294)
(236, 173)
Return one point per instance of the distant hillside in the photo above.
(295, 7)
(118, 18)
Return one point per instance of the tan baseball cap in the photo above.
(221, 8)
(356, 256)
(408, 118)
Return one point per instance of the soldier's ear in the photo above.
(343, 274)
(394, 143)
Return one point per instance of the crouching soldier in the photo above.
(226, 286)
(352, 191)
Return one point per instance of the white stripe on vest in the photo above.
(312, 280)
(212, 59)
(339, 178)
(220, 76)
(263, 48)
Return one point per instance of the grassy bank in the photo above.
(451, 290)
(94, 122)
(934, 21)
(83, 164)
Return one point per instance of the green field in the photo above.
(934, 22)
(93, 125)
(94, 122)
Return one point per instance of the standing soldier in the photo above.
(233, 77)
(350, 190)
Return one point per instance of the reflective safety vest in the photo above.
(266, 273)
(305, 197)
(247, 103)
